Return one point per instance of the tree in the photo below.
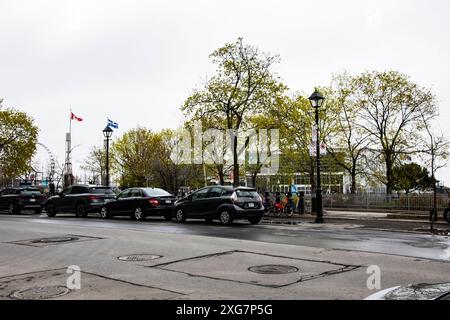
(143, 158)
(243, 86)
(410, 177)
(95, 164)
(436, 147)
(390, 112)
(134, 155)
(296, 120)
(346, 142)
(18, 138)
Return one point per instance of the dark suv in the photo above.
(17, 199)
(224, 203)
(80, 199)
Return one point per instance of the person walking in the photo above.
(301, 203)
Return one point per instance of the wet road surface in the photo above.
(341, 237)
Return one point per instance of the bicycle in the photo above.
(268, 205)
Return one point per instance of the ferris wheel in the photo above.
(51, 173)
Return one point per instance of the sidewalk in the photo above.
(370, 220)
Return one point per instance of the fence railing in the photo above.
(404, 202)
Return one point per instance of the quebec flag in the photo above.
(113, 124)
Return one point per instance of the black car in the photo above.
(80, 199)
(224, 203)
(139, 203)
(17, 199)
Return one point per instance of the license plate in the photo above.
(251, 205)
(32, 200)
(168, 201)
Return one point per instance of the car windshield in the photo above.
(247, 194)
(155, 192)
(30, 191)
(102, 190)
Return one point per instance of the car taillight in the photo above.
(93, 197)
(154, 202)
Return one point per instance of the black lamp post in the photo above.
(107, 132)
(316, 100)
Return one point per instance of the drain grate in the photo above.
(273, 269)
(139, 257)
(55, 240)
(38, 293)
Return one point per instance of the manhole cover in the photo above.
(139, 257)
(273, 269)
(55, 240)
(38, 293)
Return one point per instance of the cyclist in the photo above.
(267, 203)
(278, 205)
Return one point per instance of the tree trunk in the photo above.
(353, 189)
(389, 175)
(221, 177)
(254, 175)
(235, 162)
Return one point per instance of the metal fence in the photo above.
(404, 202)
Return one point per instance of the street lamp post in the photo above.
(316, 100)
(107, 132)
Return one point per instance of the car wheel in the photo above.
(12, 209)
(80, 210)
(447, 215)
(104, 214)
(254, 220)
(138, 214)
(168, 217)
(180, 216)
(225, 217)
(50, 209)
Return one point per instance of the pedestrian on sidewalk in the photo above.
(301, 203)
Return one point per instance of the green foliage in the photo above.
(410, 177)
(142, 158)
(391, 111)
(242, 86)
(18, 138)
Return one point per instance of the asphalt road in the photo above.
(347, 235)
(197, 260)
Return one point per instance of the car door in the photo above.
(4, 199)
(134, 199)
(199, 203)
(124, 204)
(213, 201)
(61, 202)
(74, 196)
(115, 207)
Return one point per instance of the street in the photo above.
(197, 260)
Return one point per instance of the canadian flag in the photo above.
(72, 117)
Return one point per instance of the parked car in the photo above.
(224, 203)
(80, 199)
(439, 291)
(139, 203)
(17, 199)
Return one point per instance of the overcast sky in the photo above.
(137, 61)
